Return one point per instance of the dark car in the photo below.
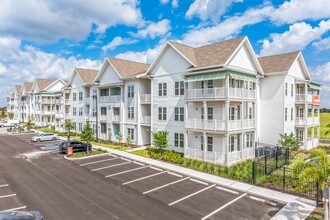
(76, 146)
(19, 215)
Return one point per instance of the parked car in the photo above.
(44, 137)
(76, 146)
(9, 123)
(20, 215)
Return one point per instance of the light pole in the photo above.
(96, 115)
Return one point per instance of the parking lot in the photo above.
(9, 201)
(43, 145)
(202, 199)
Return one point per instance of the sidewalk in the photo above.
(295, 208)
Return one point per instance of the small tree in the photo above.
(3, 114)
(68, 125)
(11, 115)
(290, 141)
(87, 134)
(29, 124)
(159, 140)
(328, 131)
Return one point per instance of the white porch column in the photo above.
(205, 145)
(242, 112)
(205, 115)
(185, 143)
(318, 128)
(226, 115)
(226, 149)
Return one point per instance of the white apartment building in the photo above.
(207, 99)
(46, 100)
(77, 98)
(13, 102)
(216, 101)
(25, 102)
(286, 96)
(123, 94)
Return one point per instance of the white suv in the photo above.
(44, 137)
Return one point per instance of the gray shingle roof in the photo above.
(87, 75)
(128, 68)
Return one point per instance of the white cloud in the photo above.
(227, 28)
(146, 56)
(209, 9)
(321, 74)
(298, 10)
(25, 63)
(164, 1)
(154, 30)
(45, 21)
(117, 41)
(175, 3)
(297, 37)
(323, 44)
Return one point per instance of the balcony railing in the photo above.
(220, 158)
(104, 99)
(46, 101)
(115, 98)
(58, 101)
(311, 143)
(220, 125)
(304, 97)
(310, 121)
(145, 98)
(146, 120)
(116, 118)
(87, 100)
(103, 117)
(58, 115)
(220, 92)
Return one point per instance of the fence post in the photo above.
(317, 194)
(286, 155)
(265, 164)
(283, 188)
(253, 173)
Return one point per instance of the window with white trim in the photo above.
(202, 113)
(80, 111)
(249, 139)
(178, 140)
(80, 96)
(74, 111)
(130, 91)
(131, 132)
(231, 143)
(286, 114)
(231, 113)
(162, 113)
(209, 113)
(130, 113)
(286, 89)
(74, 96)
(291, 114)
(292, 90)
(103, 128)
(162, 89)
(178, 114)
(179, 88)
(202, 142)
(209, 84)
(210, 144)
(80, 126)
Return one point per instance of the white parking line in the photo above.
(18, 208)
(132, 181)
(119, 164)
(125, 159)
(200, 182)
(98, 161)
(227, 190)
(4, 185)
(6, 196)
(165, 185)
(155, 168)
(195, 193)
(175, 174)
(126, 171)
(224, 206)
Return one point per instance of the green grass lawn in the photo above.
(325, 119)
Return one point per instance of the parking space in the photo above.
(8, 198)
(44, 145)
(201, 199)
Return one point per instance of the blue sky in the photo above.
(47, 39)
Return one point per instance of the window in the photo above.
(202, 142)
(249, 140)
(179, 114)
(291, 90)
(80, 126)
(103, 128)
(74, 96)
(48, 119)
(162, 89)
(202, 113)
(210, 113)
(231, 143)
(286, 114)
(231, 113)
(250, 112)
(162, 113)
(210, 144)
(301, 134)
(87, 92)
(291, 114)
(74, 110)
(210, 84)
(178, 140)
(286, 89)
(131, 132)
(130, 113)
(130, 91)
(179, 88)
(74, 125)
(80, 111)
(80, 96)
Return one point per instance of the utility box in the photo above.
(69, 151)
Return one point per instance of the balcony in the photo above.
(310, 121)
(104, 99)
(220, 158)
(46, 101)
(303, 97)
(116, 118)
(58, 101)
(47, 112)
(67, 101)
(87, 100)
(145, 98)
(68, 116)
(311, 143)
(146, 120)
(219, 93)
(58, 115)
(220, 125)
(103, 117)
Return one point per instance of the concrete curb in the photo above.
(79, 158)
